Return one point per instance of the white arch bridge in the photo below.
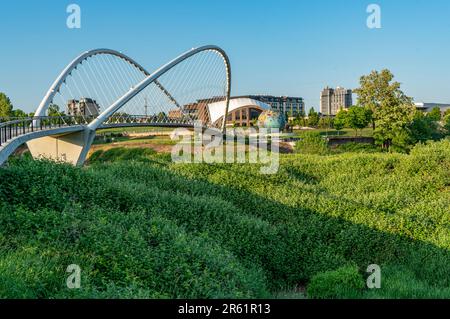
(105, 89)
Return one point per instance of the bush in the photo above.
(343, 282)
(121, 154)
(312, 143)
(150, 228)
(357, 148)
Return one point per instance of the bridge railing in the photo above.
(14, 127)
(147, 119)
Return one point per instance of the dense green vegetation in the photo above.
(397, 125)
(141, 226)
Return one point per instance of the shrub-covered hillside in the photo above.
(140, 226)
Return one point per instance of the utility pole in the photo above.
(145, 106)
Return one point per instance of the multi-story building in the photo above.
(333, 100)
(83, 107)
(292, 106)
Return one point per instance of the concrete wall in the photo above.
(66, 148)
(335, 141)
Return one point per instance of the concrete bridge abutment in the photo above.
(70, 147)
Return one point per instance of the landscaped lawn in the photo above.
(140, 226)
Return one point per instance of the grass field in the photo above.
(140, 226)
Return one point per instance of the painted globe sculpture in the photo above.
(271, 119)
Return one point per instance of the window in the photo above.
(244, 114)
(254, 114)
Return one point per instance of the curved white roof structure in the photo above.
(217, 109)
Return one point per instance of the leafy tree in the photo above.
(392, 125)
(377, 90)
(296, 120)
(340, 121)
(447, 124)
(18, 113)
(358, 118)
(5, 106)
(447, 112)
(435, 114)
(424, 127)
(402, 140)
(302, 118)
(325, 122)
(54, 110)
(313, 117)
(392, 110)
(312, 143)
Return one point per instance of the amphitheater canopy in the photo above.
(217, 109)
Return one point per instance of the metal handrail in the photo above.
(20, 126)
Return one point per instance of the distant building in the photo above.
(242, 111)
(427, 107)
(333, 100)
(292, 106)
(197, 110)
(83, 107)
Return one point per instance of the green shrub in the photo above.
(311, 143)
(398, 282)
(345, 281)
(143, 227)
(121, 154)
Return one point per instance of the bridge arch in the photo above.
(53, 90)
(70, 139)
(115, 107)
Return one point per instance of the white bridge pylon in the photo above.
(200, 75)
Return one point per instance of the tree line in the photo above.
(395, 120)
(7, 109)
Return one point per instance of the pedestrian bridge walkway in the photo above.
(175, 95)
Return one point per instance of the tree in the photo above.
(377, 90)
(340, 121)
(358, 118)
(447, 112)
(313, 117)
(18, 113)
(423, 128)
(325, 122)
(447, 124)
(392, 125)
(392, 110)
(54, 110)
(435, 114)
(5, 106)
(301, 118)
(312, 143)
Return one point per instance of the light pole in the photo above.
(145, 107)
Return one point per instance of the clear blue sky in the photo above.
(276, 47)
